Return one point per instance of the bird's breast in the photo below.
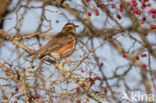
(68, 48)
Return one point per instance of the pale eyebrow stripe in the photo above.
(70, 26)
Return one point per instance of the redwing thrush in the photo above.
(61, 45)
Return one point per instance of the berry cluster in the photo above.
(98, 5)
(92, 80)
(121, 8)
(138, 8)
(134, 7)
(152, 27)
(137, 58)
(31, 97)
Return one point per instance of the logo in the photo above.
(137, 96)
(125, 96)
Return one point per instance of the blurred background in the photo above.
(114, 60)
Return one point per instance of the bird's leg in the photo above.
(49, 60)
(44, 58)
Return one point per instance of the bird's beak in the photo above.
(76, 26)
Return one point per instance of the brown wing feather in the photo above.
(54, 44)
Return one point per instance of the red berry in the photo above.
(87, 0)
(16, 89)
(101, 64)
(90, 79)
(133, 1)
(142, 21)
(143, 55)
(143, 2)
(113, 5)
(105, 90)
(152, 10)
(133, 11)
(78, 101)
(83, 85)
(149, 4)
(29, 99)
(92, 83)
(15, 101)
(143, 17)
(143, 6)
(94, 79)
(124, 55)
(136, 9)
(149, 11)
(97, 13)
(137, 57)
(145, 33)
(118, 16)
(89, 13)
(36, 96)
(138, 12)
(153, 16)
(121, 10)
(151, 27)
(98, 5)
(40, 44)
(121, 6)
(98, 78)
(144, 65)
(77, 89)
(128, 3)
(82, 70)
(132, 8)
(135, 4)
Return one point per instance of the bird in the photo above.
(61, 45)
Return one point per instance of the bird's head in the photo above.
(70, 27)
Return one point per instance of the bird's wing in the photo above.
(54, 45)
